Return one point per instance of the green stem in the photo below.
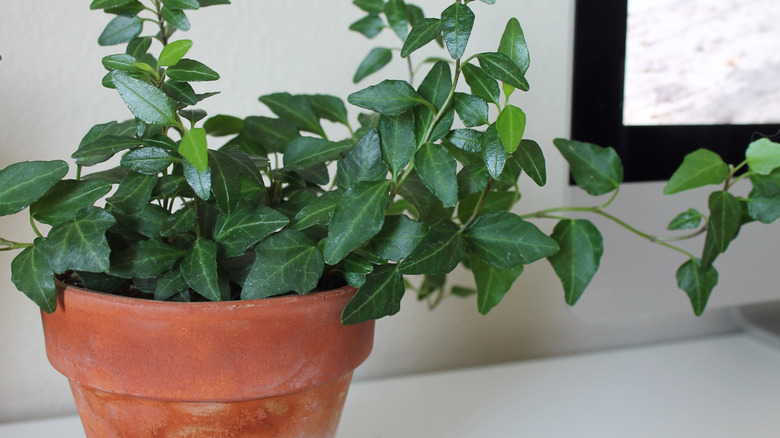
(32, 224)
(8, 245)
(481, 203)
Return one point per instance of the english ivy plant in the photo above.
(424, 184)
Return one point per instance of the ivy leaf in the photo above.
(173, 52)
(439, 252)
(305, 152)
(379, 296)
(199, 181)
(145, 259)
(170, 284)
(370, 6)
(179, 222)
(699, 168)
(472, 110)
(190, 70)
(581, 248)
(531, 159)
(121, 62)
(145, 101)
(32, 275)
(133, 192)
(80, 244)
(505, 241)
(428, 206)
(175, 18)
(147, 221)
(329, 108)
(763, 156)
(236, 231)
(511, 127)
(182, 4)
(763, 208)
(398, 238)
(398, 141)
(295, 109)
(686, 220)
(389, 97)
(107, 4)
(121, 29)
(437, 170)
(273, 134)
(286, 261)
(194, 148)
(23, 183)
(395, 11)
(502, 68)
(370, 25)
(457, 21)
(493, 152)
(725, 218)
(492, 283)
(357, 217)
(66, 198)
(180, 91)
(199, 269)
(698, 282)
(481, 84)
(103, 148)
(513, 45)
(222, 125)
(468, 140)
(422, 33)
(377, 58)
(472, 179)
(595, 169)
(147, 160)
(318, 212)
(362, 163)
(225, 180)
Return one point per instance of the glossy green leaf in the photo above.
(769, 184)
(379, 296)
(481, 84)
(595, 169)
(147, 160)
(472, 179)
(763, 156)
(395, 11)
(180, 91)
(699, 168)
(222, 125)
(66, 198)
(318, 212)
(225, 180)
(511, 127)
(133, 192)
(103, 148)
(199, 269)
(236, 231)
(493, 152)
(121, 62)
(23, 183)
(398, 141)
(145, 259)
(181, 221)
(370, 25)
(329, 108)
(199, 181)
(437, 170)
(194, 148)
(147, 221)
(137, 47)
(357, 217)
(423, 33)
(472, 110)
(439, 252)
(389, 97)
(436, 85)
(286, 261)
(189, 70)
(513, 45)
(273, 134)
(686, 220)
(457, 22)
(80, 243)
(169, 285)
(398, 238)
(502, 68)
(698, 282)
(106, 4)
(32, 275)
(371, 6)
(725, 218)
(763, 208)
(175, 18)
(132, 8)
(505, 241)
(295, 109)
(182, 4)
(468, 140)
(305, 152)
(531, 159)
(121, 29)
(362, 163)
(173, 52)
(145, 101)
(355, 268)
(428, 206)
(581, 248)
(492, 283)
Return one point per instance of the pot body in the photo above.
(277, 367)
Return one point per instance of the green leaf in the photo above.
(505, 241)
(389, 97)
(145, 101)
(305, 152)
(170, 284)
(370, 26)
(122, 62)
(147, 160)
(595, 169)
(493, 152)
(134, 7)
(511, 127)
(318, 212)
(107, 4)
(103, 148)
(472, 179)
(200, 181)
(222, 125)
(395, 11)
(379, 296)
(357, 217)
(725, 218)
(398, 238)
(182, 4)
(501, 67)
(121, 29)
(513, 45)
(194, 148)
(763, 208)
(133, 192)
(147, 221)
(225, 180)
(355, 268)
(436, 86)
(236, 231)
(699, 168)
(398, 141)
(329, 108)
(472, 110)
(180, 91)
(531, 159)
(138, 46)
(439, 252)
(189, 70)
(495, 202)
(468, 140)
(80, 244)
(370, 6)
(145, 259)
(66, 198)
(492, 283)
(437, 170)
(286, 261)
(173, 52)
(295, 109)
(581, 248)
(199, 269)
(457, 21)
(422, 33)
(768, 185)
(273, 134)
(481, 84)
(32, 275)
(428, 206)
(181, 221)
(763, 156)
(686, 220)
(698, 283)
(175, 18)
(362, 163)
(23, 183)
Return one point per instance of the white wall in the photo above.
(50, 96)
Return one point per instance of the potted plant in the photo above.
(276, 223)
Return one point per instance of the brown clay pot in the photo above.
(278, 367)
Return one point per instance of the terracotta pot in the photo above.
(278, 367)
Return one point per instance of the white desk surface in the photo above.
(726, 386)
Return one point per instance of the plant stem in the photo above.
(8, 245)
(32, 224)
(479, 206)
